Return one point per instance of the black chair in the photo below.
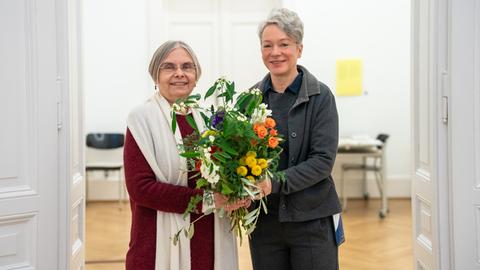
(104, 152)
(373, 161)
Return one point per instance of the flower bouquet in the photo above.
(238, 148)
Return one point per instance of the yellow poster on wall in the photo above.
(349, 77)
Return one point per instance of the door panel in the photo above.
(465, 133)
(427, 133)
(28, 138)
(220, 32)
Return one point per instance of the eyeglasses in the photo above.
(185, 67)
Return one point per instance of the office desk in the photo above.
(367, 149)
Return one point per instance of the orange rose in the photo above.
(272, 142)
(269, 122)
(261, 132)
(273, 132)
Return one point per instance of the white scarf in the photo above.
(150, 125)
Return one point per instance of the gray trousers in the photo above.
(294, 245)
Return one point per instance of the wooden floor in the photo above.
(371, 243)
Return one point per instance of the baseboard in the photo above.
(101, 187)
(108, 189)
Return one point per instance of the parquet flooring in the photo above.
(371, 243)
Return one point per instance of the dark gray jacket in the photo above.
(309, 191)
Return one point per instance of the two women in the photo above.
(298, 231)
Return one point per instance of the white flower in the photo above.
(255, 91)
(209, 171)
(206, 153)
(180, 108)
(211, 138)
(260, 114)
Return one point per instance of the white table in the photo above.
(366, 148)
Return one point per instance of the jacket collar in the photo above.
(308, 88)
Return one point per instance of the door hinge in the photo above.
(445, 109)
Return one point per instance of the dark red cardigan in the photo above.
(147, 196)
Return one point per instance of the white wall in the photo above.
(378, 33)
(116, 55)
(115, 61)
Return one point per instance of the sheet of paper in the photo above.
(349, 77)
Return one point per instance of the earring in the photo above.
(155, 87)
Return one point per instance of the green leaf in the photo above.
(190, 154)
(250, 193)
(206, 119)
(250, 230)
(225, 155)
(251, 214)
(230, 91)
(249, 99)
(191, 231)
(251, 106)
(249, 221)
(210, 91)
(224, 94)
(218, 156)
(174, 121)
(175, 239)
(191, 122)
(209, 211)
(264, 206)
(196, 96)
(201, 183)
(241, 98)
(226, 189)
(247, 182)
(227, 148)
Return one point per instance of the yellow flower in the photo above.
(208, 133)
(251, 179)
(242, 161)
(262, 163)
(251, 154)
(242, 170)
(256, 170)
(250, 161)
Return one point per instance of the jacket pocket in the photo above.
(311, 197)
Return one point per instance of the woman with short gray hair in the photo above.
(298, 231)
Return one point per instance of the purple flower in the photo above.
(217, 119)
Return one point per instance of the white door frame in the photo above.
(429, 133)
(446, 134)
(71, 140)
(431, 187)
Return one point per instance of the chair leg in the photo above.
(364, 180)
(381, 187)
(385, 193)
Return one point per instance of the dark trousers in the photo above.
(293, 245)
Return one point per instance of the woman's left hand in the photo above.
(221, 201)
(265, 187)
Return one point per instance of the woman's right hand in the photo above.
(221, 201)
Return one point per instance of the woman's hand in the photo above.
(221, 201)
(265, 188)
